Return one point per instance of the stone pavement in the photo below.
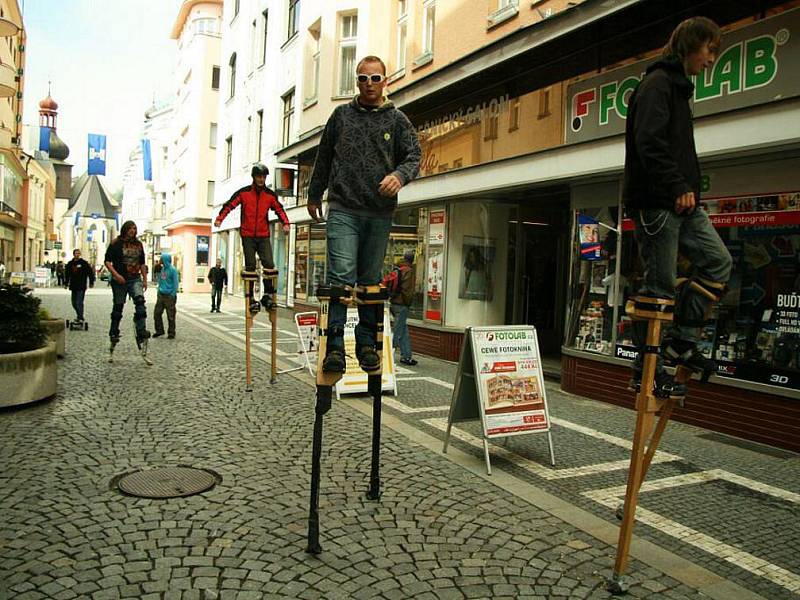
(441, 529)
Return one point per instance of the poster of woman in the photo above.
(476, 272)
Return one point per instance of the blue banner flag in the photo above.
(44, 139)
(97, 154)
(147, 162)
(589, 232)
(77, 218)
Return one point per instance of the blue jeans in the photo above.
(216, 297)
(400, 337)
(356, 247)
(121, 291)
(77, 303)
(660, 234)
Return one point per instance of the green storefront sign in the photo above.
(757, 64)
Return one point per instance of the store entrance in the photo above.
(542, 233)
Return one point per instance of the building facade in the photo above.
(191, 198)
(13, 240)
(520, 111)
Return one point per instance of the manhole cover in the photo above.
(168, 482)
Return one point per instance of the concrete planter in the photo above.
(57, 332)
(28, 376)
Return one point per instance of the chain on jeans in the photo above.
(645, 226)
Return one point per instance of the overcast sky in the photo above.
(106, 60)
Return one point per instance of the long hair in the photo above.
(124, 229)
(689, 36)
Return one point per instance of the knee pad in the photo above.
(116, 310)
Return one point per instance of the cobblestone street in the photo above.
(441, 529)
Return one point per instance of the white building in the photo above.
(197, 81)
(145, 201)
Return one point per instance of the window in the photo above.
(228, 155)
(294, 18)
(429, 20)
(288, 117)
(260, 136)
(232, 64)
(347, 55)
(544, 103)
(513, 115)
(265, 23)
(315, 63)
(490, 128)
(248, 147)
(180, 197)
(210, 189)
(212, 136)
(402, 32)
(253, 45)
(214, 78)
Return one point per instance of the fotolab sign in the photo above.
(756, 64)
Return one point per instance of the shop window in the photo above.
(317, 250)
(408, 235)
(753, 333)
(301, 263)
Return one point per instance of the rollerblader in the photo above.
(256, 200)
(662, 195)
(77, 273)
(125, 260)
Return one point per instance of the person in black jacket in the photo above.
(369, 150)
(218, 278)
(76, 274)
(662, 195)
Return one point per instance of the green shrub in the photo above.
(20, 325)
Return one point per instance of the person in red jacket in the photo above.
(256, 201)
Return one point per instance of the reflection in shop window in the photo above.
(316, 261)
(408, 234)
(301, 263)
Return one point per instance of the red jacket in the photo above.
(255, 210)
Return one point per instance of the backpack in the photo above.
(392, 281)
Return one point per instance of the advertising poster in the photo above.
(589, 232)
(434, 284)
(354, 380)
(307, 337)
(436, 228)
(509, 379)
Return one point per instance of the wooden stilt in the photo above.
(271, 287)
(249, 279)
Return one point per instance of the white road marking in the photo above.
(613, 496)
(538, 469)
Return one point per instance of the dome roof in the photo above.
(58, 149)
(48, 104)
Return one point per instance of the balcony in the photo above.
(8, 83)
(8, 27)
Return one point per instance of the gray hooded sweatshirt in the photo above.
(359, 147)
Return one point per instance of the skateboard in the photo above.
(77, 325)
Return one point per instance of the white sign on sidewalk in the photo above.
(307, 338)
(500, 383)
(354, 380)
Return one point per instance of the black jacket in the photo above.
(359, 147)
(218, 277)
(77, 272)
(660, 157)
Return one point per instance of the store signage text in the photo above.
(755, 57)
(474, 114)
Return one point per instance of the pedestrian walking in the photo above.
(399, 305)
(256, 200)
(125, 260)
(662, 195)
(218, 278)
(368, 152)
(77, 273)
(167, 297)
(60, 273)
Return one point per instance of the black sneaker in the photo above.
(255, 308)
(114, 339)
(266, 302)
(685, 354)
(142, 336)
(664, 384)
(408, 361)
(158, 334)
(334, 362)
(368, 359)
